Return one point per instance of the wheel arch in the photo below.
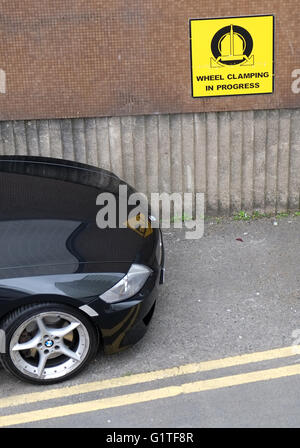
(16, 304)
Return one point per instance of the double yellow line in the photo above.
(148, 395)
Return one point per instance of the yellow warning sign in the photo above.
(232, 56)
(140, 225)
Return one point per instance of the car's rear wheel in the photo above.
(47, 343)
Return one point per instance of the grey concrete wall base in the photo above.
(240, 160)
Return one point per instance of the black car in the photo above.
(68, 287)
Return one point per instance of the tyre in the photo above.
(47, 343)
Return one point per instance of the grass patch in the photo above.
(182, 218)
(244, 216)
(283, 215)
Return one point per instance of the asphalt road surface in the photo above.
(220, 352)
